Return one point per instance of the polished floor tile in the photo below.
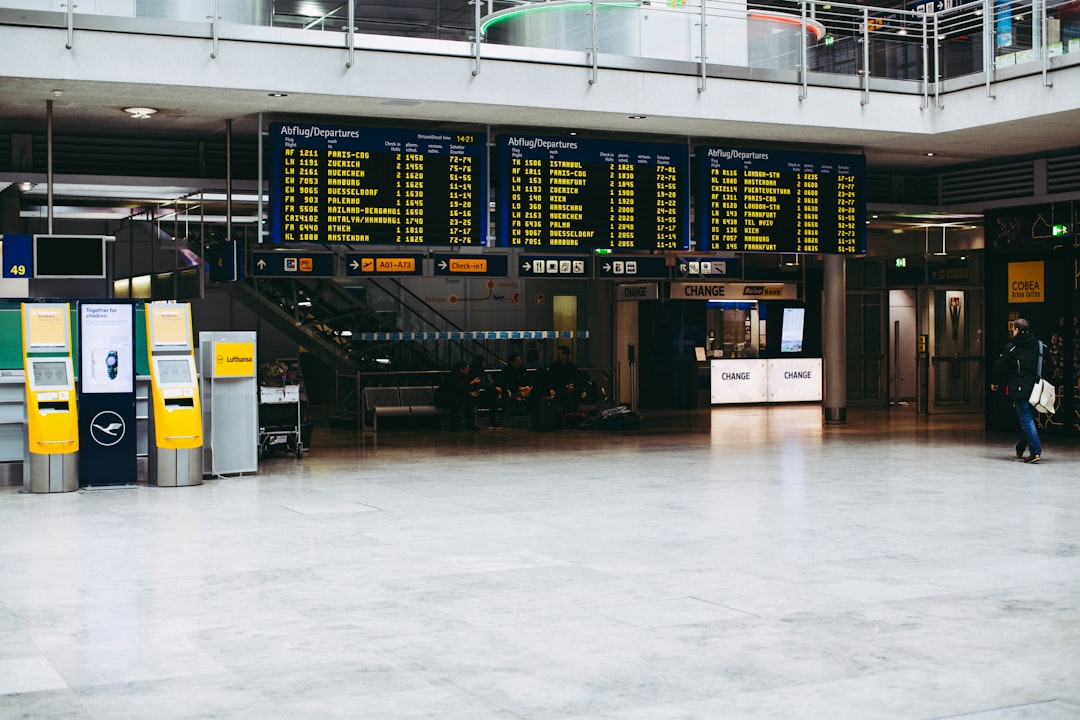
(717, 564)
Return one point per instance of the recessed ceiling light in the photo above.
(278, 94)
(930, 154)
(140, 113)
(637, 117)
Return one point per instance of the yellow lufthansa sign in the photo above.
(1026, 282)
(235, 359)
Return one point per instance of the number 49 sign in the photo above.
(18, 256)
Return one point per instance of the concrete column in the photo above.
(834, 343)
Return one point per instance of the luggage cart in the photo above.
(280, 422)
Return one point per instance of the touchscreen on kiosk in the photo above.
(49, 374)
(174, 371)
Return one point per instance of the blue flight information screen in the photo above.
(780, 201)
(567, 193)
(377, 185)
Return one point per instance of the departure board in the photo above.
(572, 193)
(780, 201)
(377, 186)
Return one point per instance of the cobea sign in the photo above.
(1026, 282)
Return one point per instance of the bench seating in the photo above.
(403, 401)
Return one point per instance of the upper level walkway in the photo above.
(859, 76)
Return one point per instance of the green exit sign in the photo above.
(1060, 230)
(901, 262)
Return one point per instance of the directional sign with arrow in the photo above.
(375, 263)
(691, 266)
(556, 266)
(632, 267)
(482, 265)
(292, 264)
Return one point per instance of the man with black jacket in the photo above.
(1018, 367)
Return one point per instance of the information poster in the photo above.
(107, 421)
(106, 349)
(170, 325)
(46, 326)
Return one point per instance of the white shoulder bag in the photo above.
(1043, 394)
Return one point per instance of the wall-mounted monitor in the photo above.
(69, 256)
(791, 330)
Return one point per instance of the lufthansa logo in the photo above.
(107, 428)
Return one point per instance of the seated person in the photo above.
(565, 382)
(454, 395)
(515, 385)
(484, 392)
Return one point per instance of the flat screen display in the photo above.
(49, 374)
(174, 371)
(791, 330)
(564, 193)
(780, 201)
(377, 186)
(69, 256)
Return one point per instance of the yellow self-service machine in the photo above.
(52, 422)
(175, 412)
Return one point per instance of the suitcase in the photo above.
(548, 416)
(573, 419)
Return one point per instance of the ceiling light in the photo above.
(278, 94)
(637, 117)
(57, 93)
(26, 187)
(140, 113)
(930, 154)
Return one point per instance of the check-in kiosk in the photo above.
(175, 411)
(52, 460)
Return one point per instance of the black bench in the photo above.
(402, 401)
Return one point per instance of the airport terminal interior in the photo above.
(812, 508)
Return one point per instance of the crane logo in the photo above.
(107, 428)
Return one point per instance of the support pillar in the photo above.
(834, 343)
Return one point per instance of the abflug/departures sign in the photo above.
(780, 201)
(377, 186)
(564, 193)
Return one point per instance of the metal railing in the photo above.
(812, 40)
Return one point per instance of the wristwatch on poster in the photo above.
(112, 364)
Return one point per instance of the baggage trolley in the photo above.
(279, 420)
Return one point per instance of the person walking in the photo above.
(1017, 369)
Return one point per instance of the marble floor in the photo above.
(717, 564)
